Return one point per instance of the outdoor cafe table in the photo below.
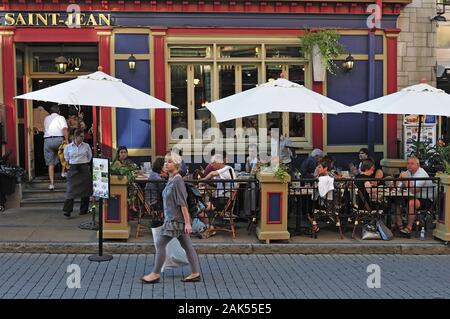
(246, 204)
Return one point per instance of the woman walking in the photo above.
(79, 179)
(177, 223)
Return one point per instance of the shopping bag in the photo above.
(369, 232)
(198, 226)
(386, 233)
(175, 254)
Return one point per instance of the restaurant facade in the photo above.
(189, 53)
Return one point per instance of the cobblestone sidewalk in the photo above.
(228, 277)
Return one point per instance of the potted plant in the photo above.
(128, 172)
(433, 158)
(324, 47)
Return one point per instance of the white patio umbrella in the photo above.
(275, 96)
(416, 99)
(420, 99)
(97, 89)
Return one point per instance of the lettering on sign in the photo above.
(57, 19)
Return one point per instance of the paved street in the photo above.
(228, 276)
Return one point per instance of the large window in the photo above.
(190, 91)
(207, 72)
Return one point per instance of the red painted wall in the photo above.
(8, 95)
(105, 115)
(392, 88)
(317, 121)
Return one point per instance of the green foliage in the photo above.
(433, 158)
(282, 173)
(328, 44)
(128, 171)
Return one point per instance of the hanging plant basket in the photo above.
(323, 47)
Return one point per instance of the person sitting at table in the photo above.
(252, 159)
(326, 196)
(220, 196)
(365, 186)
(363, 154)
(122, 158)
(332, 172)
(422, 190)
(309, 165)
(155, 186)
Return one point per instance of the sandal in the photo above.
(192, 279)
(406, 231)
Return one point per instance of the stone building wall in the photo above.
(416, 50)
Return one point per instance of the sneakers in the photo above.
(2, 208)
(51, 187)
(63, 175)
(67, 214)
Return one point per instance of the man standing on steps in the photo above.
(55, 132)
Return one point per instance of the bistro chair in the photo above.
(328, 210)
(365, 210)
(223, 218)
(146, 209)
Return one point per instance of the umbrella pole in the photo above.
(418, 136)
(100, 257)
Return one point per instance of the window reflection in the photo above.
(202, 95)
(227, 87)
(282, 51)
(297, 120)
(249, 81)
(239, 51)
(178, 90)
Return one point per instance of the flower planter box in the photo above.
(115, 210)
(273, 217)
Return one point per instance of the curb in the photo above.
(212, 248)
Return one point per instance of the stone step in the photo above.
(48, 203)
(43, 195)
(44, 186)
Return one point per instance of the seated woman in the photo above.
(156, 184)
(367, 187)
(326, 197)
(122, 158)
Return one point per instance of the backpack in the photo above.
(194, 200)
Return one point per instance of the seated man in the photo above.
(220, 172)
(309, 165)
(423, 193)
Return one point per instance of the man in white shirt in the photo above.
(222, 194)
(221, 172)
(423, 190)
(55, 132)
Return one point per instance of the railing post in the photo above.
(442, 230)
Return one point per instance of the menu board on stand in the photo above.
(411, 131)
